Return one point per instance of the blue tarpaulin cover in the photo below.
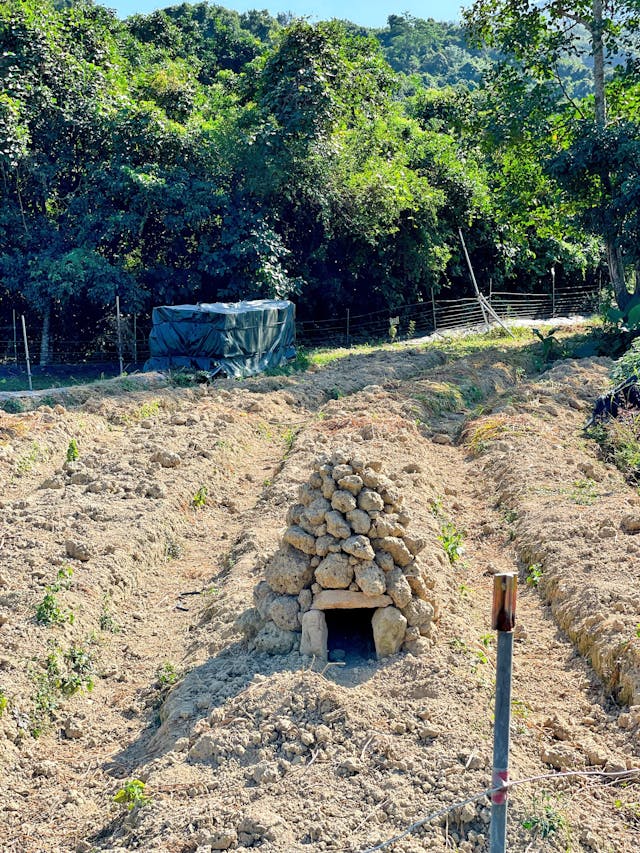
(239, 338)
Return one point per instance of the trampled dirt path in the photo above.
(272, 752)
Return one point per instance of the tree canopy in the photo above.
(195, 154)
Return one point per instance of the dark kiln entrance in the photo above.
(351, 632)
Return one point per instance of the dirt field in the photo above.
(126, 570)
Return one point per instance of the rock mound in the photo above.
(347, 547)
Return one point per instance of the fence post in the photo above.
(119, 335)
(433, 310)
(15, 338)
(348, 323)
(26, 352)
(135, 339)
(553, 290)
(503, 619)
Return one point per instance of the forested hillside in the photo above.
(196, 154)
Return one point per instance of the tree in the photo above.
(537, 35)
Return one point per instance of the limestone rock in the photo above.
(301, 540)
(387, 525)
(351, 483)
(324, 544)
(338, 599)
(334, 572)
(78, 550)
(294, 513)
(360, 521)
(419, 614)
(314, 634)
(263, 597)
(317, 510)
(370, 501)
(307, 495)
(289, 571)
(389, 626)
(630, 524)
(359, 547)
(337, 526)
(166, 458)
(370, 578)
(343, 501)
(398, 550)
(284, 612)
(415, 544)
(275, 641)
(385, 561)
(398, 588)
(341, 470)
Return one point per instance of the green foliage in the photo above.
(132, 795)
(551, 347)
(72, 451)
(166, 674)
(4, 703)
(628, 364)
(546, 820)
(534, 574)
(49, 612)
(61, 675)
(451, 540)
(199, 500)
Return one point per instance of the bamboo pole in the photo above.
(503, 621)
(473, 278)
(26, 352)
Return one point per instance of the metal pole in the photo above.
(119, 335)
(26, 352)
(473, 278)
(433, 309)
(553, 290)
(348, 323)
(503, 619)
(15, 338)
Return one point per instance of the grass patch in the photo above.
(619, 440)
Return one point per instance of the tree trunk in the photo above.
(597, 47)
(45, 342)
(616, 273)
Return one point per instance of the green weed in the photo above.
(30, 459)
(534, 574)
(73, 452)
(451, 540)
(49, 612)
(584, 492)
(199, 500)
(106, 621)
(167, 674)
(132, 795)
(546, 819)
(63, 674)
(289, 437)
(4, 703)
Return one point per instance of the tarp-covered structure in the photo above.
(238, 338)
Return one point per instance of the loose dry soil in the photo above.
(283, 753)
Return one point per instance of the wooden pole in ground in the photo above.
(473, 278)
(433, 309)
(135, 339)
(15, 338)
(553, 290)
(495, 316)
(26, 352)
(119, 335)
(503, 618)
(348, 324)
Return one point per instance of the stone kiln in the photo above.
(347, 548)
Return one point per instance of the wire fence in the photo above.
(424, 318)
(407, 321)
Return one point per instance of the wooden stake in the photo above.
(348, 323)
(119, 335)
(26, 352)
(433, 309)
(503, 619)
(135, 339)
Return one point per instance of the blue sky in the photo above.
(370, 13)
